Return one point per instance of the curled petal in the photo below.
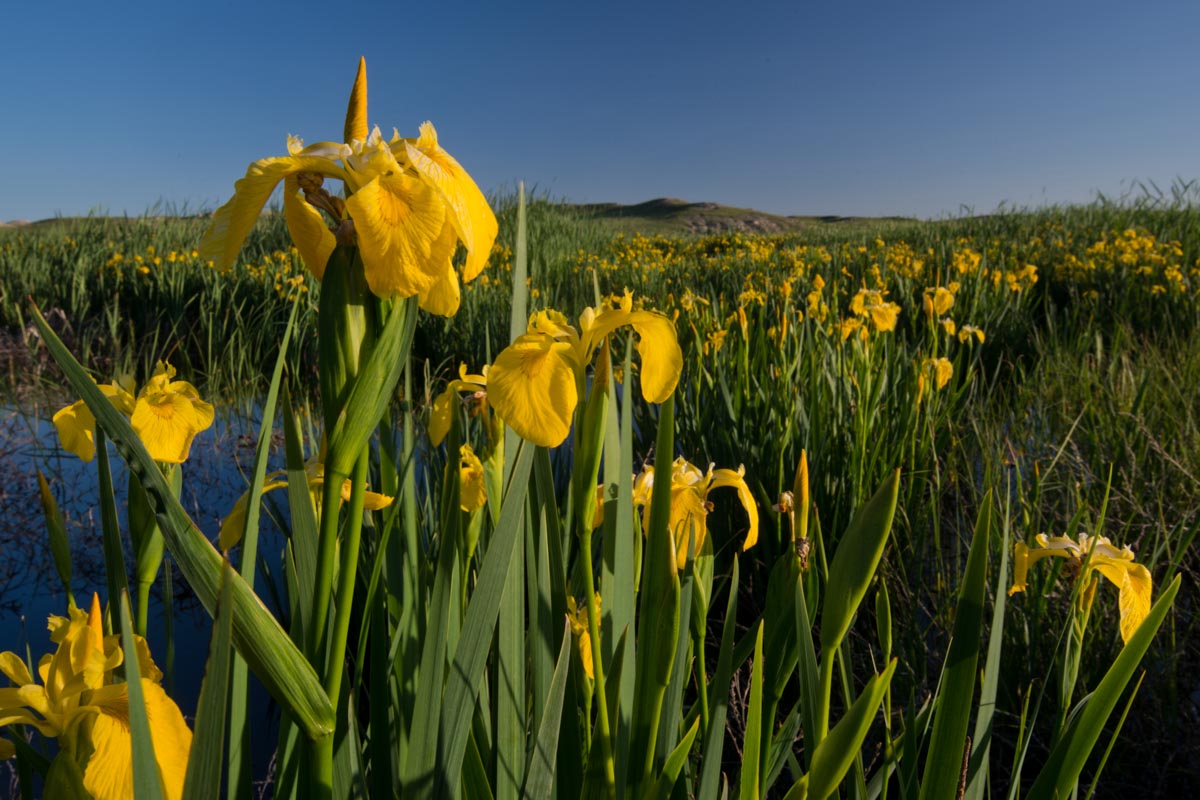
(658, 347)
(233, 221)
(736, 480)
(307, 227)
(1024, 556)
(470, 213)
(532, 386)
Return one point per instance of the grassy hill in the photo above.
(671, 216)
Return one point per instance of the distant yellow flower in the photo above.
(166, 416)
(940, 300)
(409, 203)
(1093, 554)
(577, 616)
(441, 413)
(967, 331)
(472, 489)
(234, 524)
(870, 303)
(535, 383)
(690, 505)
(79, 703)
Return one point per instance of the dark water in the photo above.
(215, 475)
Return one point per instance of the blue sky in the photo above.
(920, 108)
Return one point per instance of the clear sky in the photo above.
(910, 108)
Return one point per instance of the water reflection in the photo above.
(215, 475)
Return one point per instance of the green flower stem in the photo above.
(331, 497)
(824, 690)
(593, 616)
(347, 576)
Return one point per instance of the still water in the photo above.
(215, 475)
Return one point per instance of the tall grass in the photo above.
(1086, 369)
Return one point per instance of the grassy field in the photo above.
(1049, 356)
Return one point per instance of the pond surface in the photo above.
(215, 475)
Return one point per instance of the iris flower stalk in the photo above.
(381, 249)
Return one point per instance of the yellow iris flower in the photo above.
(870, 303)
(441, 413)
(535, 383)
(472, 489)
(1093, 554)
(166, 415)
(690, 504)
(578, 618)
(408, 203)
(78, 703)
(234, 525)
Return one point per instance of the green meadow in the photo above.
(954, 390)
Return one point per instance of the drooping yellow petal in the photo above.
(470, 213)
(730, 478)
(7, 750)
(532, 386)
(76, 425)
(108, 773)
(234, 524)
(1135, 585)
(307, 228)
(444, 296)
(657, 346)
(399, 221)
(233, 221)
(356, 109)
(689, 519)
(77, 430)
(441, 414)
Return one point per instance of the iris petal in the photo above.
(307, 227)
(234, 220)
(399, 222)
(532, 387)
(736, 480)
(470, 213)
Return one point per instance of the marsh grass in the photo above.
(1087, 372)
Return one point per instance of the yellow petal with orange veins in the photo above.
(166, 428)
(234, 220)
(307, 227)
(532, 387)
(471, 215)
(109, 769)
(399, 221)
(356, 109)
